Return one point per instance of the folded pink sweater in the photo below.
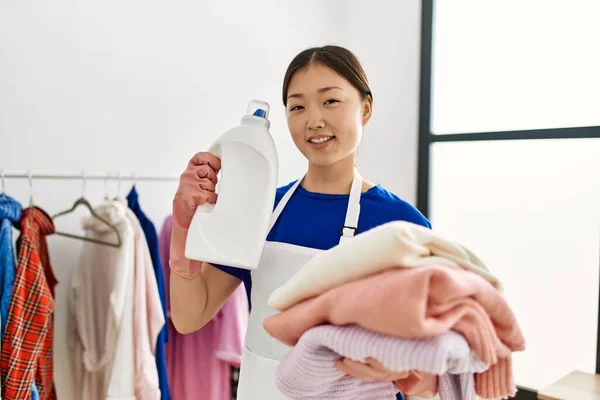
(309, 370)
(416, 303)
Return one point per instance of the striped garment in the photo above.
(309, 370)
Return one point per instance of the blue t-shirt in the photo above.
(315, 220)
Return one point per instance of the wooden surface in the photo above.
(575, 386)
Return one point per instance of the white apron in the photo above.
(279, 262)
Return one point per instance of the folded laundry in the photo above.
(395, 244)
(309, 371)
(418, 303)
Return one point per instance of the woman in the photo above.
(328, 103)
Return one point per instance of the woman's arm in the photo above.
(196, 300)
(198, 290)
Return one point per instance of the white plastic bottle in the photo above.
(233, 231)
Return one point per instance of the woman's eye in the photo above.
(331, 101)
(295, 108)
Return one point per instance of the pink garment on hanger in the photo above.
(199, 363)
(416, 303)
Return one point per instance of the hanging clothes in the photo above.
(10, 214)
(152, 239)
(27, 343)
(148, 317)
(199, 364)
(114, 291)
(35, 394)
(101, 311)
(47, 357)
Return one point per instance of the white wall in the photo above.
(141, 86)
(387, 38)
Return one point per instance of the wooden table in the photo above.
(575, 386)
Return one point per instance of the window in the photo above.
(513, 65)
(531, 210)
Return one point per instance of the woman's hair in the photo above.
(337, 58)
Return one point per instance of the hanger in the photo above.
(118, 196)
(106, 197)
(82, 201)
(119, 183)
(29, 178)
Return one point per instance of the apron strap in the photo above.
(352, 212)
(283, 203)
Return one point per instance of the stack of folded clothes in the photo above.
(407, 298)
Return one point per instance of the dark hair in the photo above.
(337, 58)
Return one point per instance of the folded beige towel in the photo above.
(395, 244)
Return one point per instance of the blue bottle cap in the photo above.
(258, 108)
(260, 113)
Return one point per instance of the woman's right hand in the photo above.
(196, 187)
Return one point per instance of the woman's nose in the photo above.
(315, 120)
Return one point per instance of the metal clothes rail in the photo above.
(83, 176)
(31, 176)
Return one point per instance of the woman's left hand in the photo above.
(412, 383)
(371, 371)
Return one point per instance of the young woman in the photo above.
(328, 103)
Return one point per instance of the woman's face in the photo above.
(325, 114)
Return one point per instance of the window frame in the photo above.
(427, 138)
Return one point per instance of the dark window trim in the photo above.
(586, 132)
(426, 138)
(525, 394)
(425, 107)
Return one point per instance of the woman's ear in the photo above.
(367, 111)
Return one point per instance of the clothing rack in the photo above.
(83, 176)
(30, 175)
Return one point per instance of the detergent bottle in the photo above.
(233, 231)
